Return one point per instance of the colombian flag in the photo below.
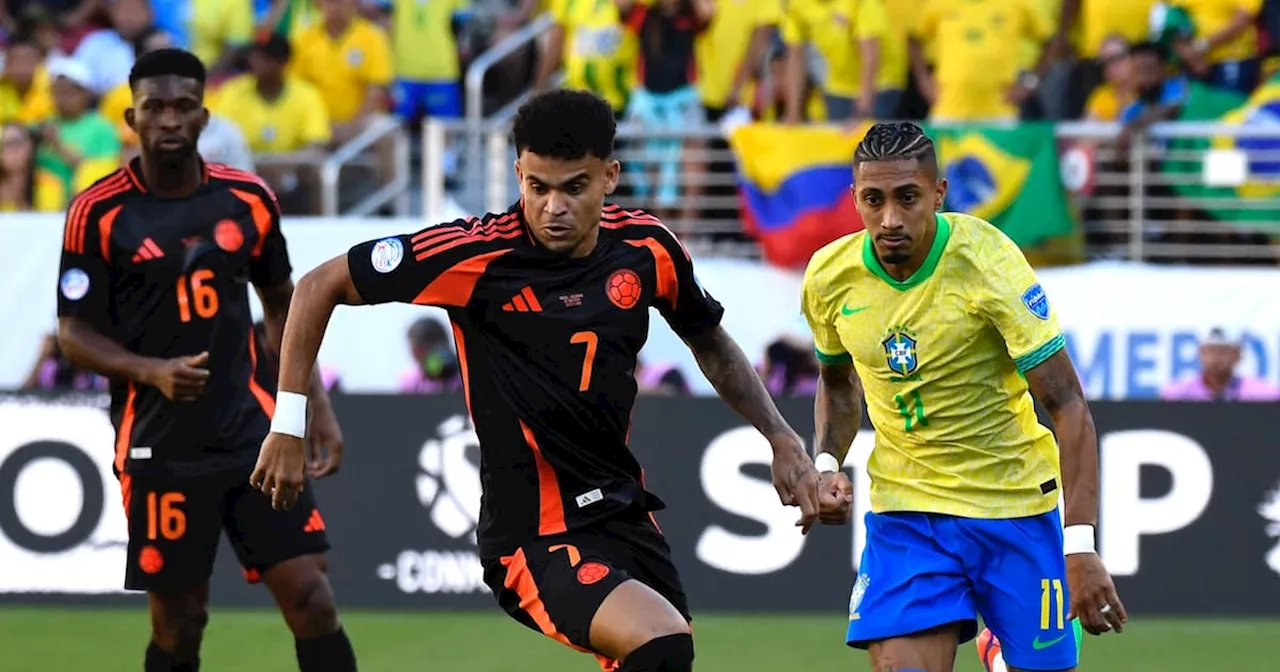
(795, 184)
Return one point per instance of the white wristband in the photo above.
(1078, 539)
(826, 462)
(291, 414)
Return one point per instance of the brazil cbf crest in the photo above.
(900, 351)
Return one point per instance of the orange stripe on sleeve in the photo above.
(454, 286)
(78, 216)
(261, 216)
(265, 400)
(550, 506)
(225, 172)
(668, 282)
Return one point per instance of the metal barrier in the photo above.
(1149, 203)
(395, 191)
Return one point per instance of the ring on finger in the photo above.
(1104, 609)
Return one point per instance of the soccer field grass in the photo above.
(35, 639)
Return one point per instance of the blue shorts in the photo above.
(432, 99)
(923, 570)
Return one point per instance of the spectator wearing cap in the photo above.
(348, 58)
(435, 368)
(78, 145)
(1218, 379)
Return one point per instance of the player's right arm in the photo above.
(442, 271)
(837, 405)
(84, 310)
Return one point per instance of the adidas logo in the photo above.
(314, 523)
(524, 302)
(147, 250)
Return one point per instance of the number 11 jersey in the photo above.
(548, 348)
(167, 278)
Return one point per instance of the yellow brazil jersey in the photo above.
(1211, 16)
(1104, 104)
(895, 57)
(31, 108)
(112, 107)
(422, 35)
(721, 49)
(835, 29)
(1100, 19)
(295, 120)
(1050, 12)
(215, 24)
(599, 54)
(940, 357)
(972, 41)
(343, 68)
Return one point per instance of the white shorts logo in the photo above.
(387, 254)
(74, 284)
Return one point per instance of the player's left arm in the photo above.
(1015, 303)
(269, 270)
(695, 316)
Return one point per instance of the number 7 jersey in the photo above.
(548, 348)
(941, 357)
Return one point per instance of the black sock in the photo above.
(330, 653)
(158, 660)
(672, 653)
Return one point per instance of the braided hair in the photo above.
(897, 141)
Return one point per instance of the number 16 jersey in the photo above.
(548, 349)
(169, 278)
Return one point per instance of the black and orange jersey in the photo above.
(548, 349)
(170, 278)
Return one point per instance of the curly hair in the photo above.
(565, 124)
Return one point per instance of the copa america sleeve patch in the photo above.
(74, 284)
(1036, 301)
(386, 255)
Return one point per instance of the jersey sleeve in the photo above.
(84, 273)
(768, 13)
(793, 31)
(826, 340)
(1015, 303)
(437, 266)
(269, 265)
(926, 28)
(871, 23)
(680, 298)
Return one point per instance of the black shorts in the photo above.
(175, 522)
(555, 584)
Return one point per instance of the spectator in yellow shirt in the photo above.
(23, 186)
(598, 54)
(1115, 93)
(278, 114)
(730, 50)
(25, 95)
(218, 28)
(849, 36)
(348, 58)
(978, 75)
(1092, 23)
(1224, 52)
(426, 56)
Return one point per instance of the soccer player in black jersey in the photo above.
(550, 305)
(153, 293)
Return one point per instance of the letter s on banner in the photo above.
(1125, 515)
(730, 489)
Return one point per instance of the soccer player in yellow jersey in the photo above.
(939, 319)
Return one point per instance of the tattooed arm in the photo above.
(736, 381)
(837, 409)
(1057, 386)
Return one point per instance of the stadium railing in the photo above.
(1189, 192)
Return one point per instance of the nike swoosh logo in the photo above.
(847, 311)
(1037, 644)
